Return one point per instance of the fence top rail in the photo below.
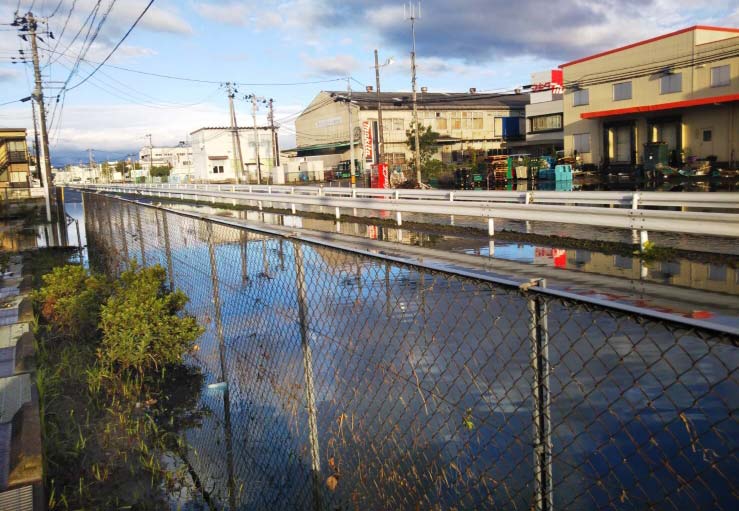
(607, 305)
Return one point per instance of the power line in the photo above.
(115, 47)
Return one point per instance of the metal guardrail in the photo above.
(602, 209)
(344, 379)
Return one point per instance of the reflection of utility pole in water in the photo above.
(539, 334)
(224, 377)
(265, 261)
(167, 249)
(310, 393)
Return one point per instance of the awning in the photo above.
(330, 148)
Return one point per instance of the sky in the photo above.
(290, 50)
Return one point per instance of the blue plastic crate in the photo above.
(563, 173)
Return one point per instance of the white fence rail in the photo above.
(638, 211)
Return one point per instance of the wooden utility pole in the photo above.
(254, 100)
(416, 127)
(380, 135)
(38, 95)
(351, 134)
(36, 140)
(275, 144)
(235, 139)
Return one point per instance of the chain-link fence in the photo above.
(355, 381)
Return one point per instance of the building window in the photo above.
(581, 97)
(18, 177)
(720, 76)
(581, 142)
(621, 91)
(546, 123)
(218, 169)
(717, 272)
(707, 135)
(393, 125)
(623, 262)
(441, 121)
(395, 158)
(456, 120)
(671, 83)
(477, 121)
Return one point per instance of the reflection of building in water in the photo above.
(690, 274)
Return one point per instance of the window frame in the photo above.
(728, 76)
(576, 94)
(546, 130)
(575, 143)
(669, 79)
(631, 91)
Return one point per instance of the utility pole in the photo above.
(151, 155)
(413, 17)
(35, 140)
(90, 160)
(235, 140)
(38, 95)
(275, 145)
(380, 135)
(254, 100)
(351, 133)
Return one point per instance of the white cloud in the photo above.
(338, 65)
(7, 75)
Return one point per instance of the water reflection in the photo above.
(423, 385)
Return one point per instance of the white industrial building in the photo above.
(215, 154)
(178, 158)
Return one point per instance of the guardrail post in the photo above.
(528, 198)
(491, 248)
(250, 189)
(491, 227)
(397, 195)
(310, 393)
(354, 193)
(292, 206)
(451, 196)
(259, 205)
(338, 213)
(539, 335)
(233, 188)
(399, 218)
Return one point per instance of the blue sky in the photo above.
(487, 44)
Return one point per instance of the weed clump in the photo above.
(114, 389)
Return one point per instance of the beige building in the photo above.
(680, 88)
(14, 161)
(464, 121)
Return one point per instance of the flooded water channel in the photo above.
(702, 289)
(336, 380)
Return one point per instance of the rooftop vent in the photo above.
(370, 88)
(424, 90)
(473, 90)
(517, 91)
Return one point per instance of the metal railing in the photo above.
(341, 379)
(601, 209)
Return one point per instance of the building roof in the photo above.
(430, 100)
(226, 128)
(647, 41)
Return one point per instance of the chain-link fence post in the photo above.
(244, 247)
(123, 233)
(140, 234)
(539, 334)
(310, 393)
(224, 377)
(167, 249)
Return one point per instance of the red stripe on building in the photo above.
(647, 41)
(662, 106)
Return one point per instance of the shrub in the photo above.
(142, 325)
(70, 301)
